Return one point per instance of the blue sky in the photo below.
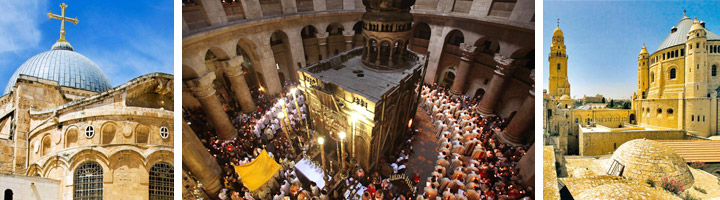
(125, 39)
(604, 38)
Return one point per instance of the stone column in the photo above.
(523, 11)
(445, 6)
(288, 6)
(516, 131)
(199, 162)
(504, 69)
(348, 4)
(214, 12)
(297, 52)
(202, 89)
(527, 167)
(322, 43)
(236, 76)
(348, 35)
(319, 5)
(435, 47)
(267, 64)
(461, 74)
(251, 8)
(480, 8)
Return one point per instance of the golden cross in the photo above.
(62, 19)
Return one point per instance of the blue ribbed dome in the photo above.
(68, 68)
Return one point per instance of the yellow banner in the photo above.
(257, 172)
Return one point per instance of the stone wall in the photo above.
(25, 187)
(605, 142)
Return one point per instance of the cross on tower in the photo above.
(62, 19)
(558, 22)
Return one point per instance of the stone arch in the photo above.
(34, 170)
(107, 132)
(159, 156)
(308, 31)
(54, 167)
(280, 45)
(447, 79)
(385, 48)
(335, 28)
(422, 30)
(189, 73)
(88, 155)
(251, 63)
(71, 136)
(455, 37)
(142, 133)
(357, 27)
(527, 54)
(46, 145)
(487, 45)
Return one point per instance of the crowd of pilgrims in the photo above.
(472, 163)
(257, 131)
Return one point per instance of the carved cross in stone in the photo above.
(62, 19)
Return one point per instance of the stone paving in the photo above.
(425, 153)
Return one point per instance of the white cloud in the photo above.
(19, 20)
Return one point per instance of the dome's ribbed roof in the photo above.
(680, 35)
(646, 159)
(68, 68)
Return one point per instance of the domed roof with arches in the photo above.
(646, 159)
(64, 65)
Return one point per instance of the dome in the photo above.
(643, 50)
(67, 67)
(622, 191)
(565, 97)
(696, 25)
(646, 159)
(557, 32)
(678, 36)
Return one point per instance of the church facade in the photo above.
(66, 133)
(678, 84)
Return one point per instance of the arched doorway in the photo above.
(420, 37)
(8, 194)
(479, 93)
(253, 77)
(631, 119)
(447, 79)
(283, 58)
(310, 44)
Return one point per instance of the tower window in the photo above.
(558, 67)
(672, 73)
(670, 111)
(682, 52)
(714, 70)
(692, 117)
(659, 111)
(652, 77)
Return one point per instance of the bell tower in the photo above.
(558, 83)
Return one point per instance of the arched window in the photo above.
(714, 70)
(652, 77)
(161, 181)
(670, 111)
(659, 111)
(89, 131)
(672, 73)
(558, 66)
(88, 181)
